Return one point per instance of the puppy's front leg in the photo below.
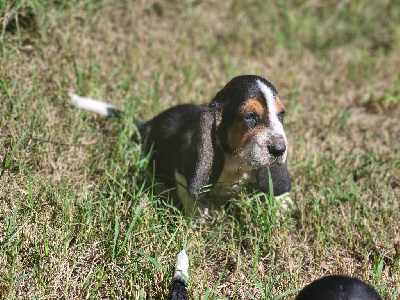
(190, 205)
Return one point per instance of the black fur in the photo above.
(280, 180)
(338, 287)
(179, 290)
(114, 112)
(165, 136)
(203, 161)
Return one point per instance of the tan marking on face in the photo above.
(253, 105)
(278, 105)
(238, 133)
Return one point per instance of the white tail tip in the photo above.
(90, 104)
(182, 266)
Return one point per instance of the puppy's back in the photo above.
(168, 135)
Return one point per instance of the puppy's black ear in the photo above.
(204, 160)
(280, 180)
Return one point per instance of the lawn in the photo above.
(78, 218)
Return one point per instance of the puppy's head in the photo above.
(251, 122)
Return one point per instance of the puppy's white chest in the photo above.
(233, 174)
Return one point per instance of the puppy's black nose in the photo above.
(277, 149)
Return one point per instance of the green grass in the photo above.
(76, 219)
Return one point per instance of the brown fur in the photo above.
(279, 106)
(238, 133)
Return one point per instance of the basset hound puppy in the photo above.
(206, 151)
(333, 287)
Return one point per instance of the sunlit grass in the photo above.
(79, 216)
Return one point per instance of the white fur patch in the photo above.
(91, 104)
(269, 96)
(182, 266)
(285, 201)
(235, 171)
(256, 154)
(275, 123)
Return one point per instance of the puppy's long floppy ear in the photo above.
(280, 180)
(204, 160)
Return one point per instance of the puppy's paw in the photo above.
(285, 201)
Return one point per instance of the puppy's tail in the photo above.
(99, 107)
(181, 276)
(96, 106)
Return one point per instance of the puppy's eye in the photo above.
(280, 116)
(251, 120)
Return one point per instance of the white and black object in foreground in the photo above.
(333, 287)
(181, 276)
